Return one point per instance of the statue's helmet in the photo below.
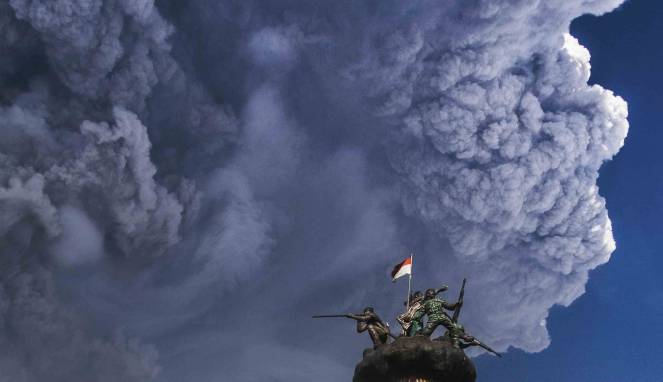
(430, 293)
(368, 309)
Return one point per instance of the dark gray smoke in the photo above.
(183, 183)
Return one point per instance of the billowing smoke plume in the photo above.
(183, 183)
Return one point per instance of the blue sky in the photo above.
(613, 333)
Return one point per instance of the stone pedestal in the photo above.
(415, 359)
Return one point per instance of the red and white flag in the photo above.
(401, 269)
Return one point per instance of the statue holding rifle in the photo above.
(455, 332)
(369, 321)
(413, 354)
(412, 320)
(434, 308)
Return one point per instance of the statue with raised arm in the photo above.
(368, 321)
(434, 308)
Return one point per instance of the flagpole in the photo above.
(409, 284)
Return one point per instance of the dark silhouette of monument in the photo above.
(415, 359)
(414, 356)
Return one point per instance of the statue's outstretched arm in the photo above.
(448, 306)
(441, 289)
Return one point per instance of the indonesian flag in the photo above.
(401, 269)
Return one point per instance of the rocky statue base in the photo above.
(415, 359)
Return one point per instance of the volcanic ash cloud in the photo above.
(181, 181)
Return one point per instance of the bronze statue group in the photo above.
(424, 313)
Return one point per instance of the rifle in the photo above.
(476, 342)
(386, 325)
(460, 302)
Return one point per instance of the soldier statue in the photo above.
(455, 333)
(434, 310)
(429, 305)
(369, 321)
(412, 320)
(462, 340)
